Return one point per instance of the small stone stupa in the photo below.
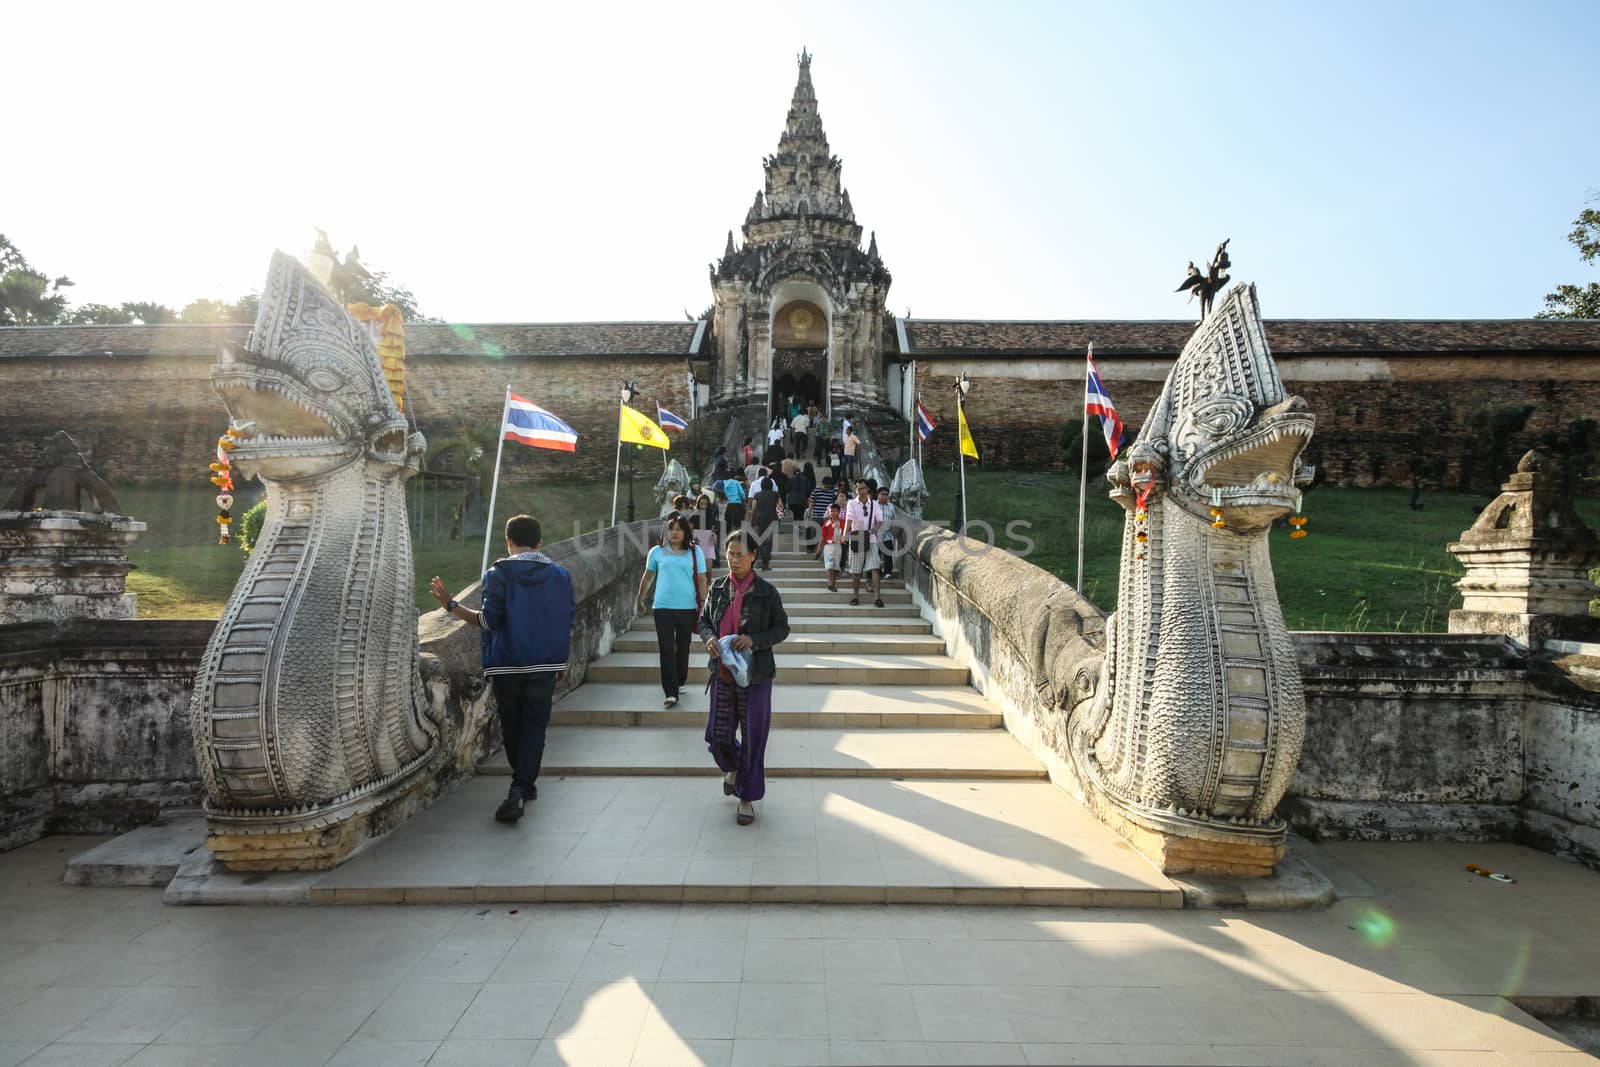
(58, 560)
(1527, 561)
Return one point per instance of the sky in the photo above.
(570, 162)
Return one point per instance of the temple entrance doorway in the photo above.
(799, 358)
(801, 379)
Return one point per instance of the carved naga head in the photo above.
(1223, 433)
(307, 387)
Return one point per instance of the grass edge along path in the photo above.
(1370, 562)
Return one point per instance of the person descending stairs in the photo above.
(890, 779)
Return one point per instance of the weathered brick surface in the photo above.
(138, 398)
(156, 418)
(1367, 431)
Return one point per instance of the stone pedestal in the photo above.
(57, 565)
(1527, 561)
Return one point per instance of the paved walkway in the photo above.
(873, 914)
(891, 780)
(1415, 971)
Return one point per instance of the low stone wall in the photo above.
(1561, 808)
(1408, 736)
(1021, 631)
(94, 724)
(605, 566)
(94, 715)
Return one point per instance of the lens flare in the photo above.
(1376, 928)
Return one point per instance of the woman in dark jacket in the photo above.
(748, 608)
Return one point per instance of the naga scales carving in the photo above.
(308, 711)
(1197, 719)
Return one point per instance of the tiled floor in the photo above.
(1415, 972)
(669, 750)
(671, 838)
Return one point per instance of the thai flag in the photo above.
(669, 421)
(533, 425)
(925, 423)
(1096, 401)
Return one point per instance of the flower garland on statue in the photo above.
(1144, 483)
(1297, 520)
(222, 478)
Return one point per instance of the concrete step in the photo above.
(820, 669)
(879, 621)
(869, 644)
(837, 606)
(148, 856)
(850, 707)
(818, 579)
(828, 840)
(815, 595)
(802, 752)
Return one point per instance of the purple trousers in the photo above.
(750, 711)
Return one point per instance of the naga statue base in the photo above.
(1187, 853)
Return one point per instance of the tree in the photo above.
(1578, 301)
(99, 315)
(1071, 442)
(1493, 428)
(377, 290)
(28, 297)
(150, 314)
(471, 451)
(206, 310)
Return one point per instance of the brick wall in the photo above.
(156, 419)
(1367, 430)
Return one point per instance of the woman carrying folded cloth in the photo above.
(746, 607)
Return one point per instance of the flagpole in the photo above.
(961, 451)
(1083, 466)
(616, 479)
(494, 486)
(911, 405)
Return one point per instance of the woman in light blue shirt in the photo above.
(680, 570)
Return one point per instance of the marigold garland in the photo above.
(1297, 520)
(222, 478)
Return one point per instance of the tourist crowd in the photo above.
(731, 523)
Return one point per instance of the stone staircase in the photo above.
(890, 780)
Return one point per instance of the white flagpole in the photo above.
(616, 479)
(1083, 466)
(494, 486)
(961, 451)
(911, 386)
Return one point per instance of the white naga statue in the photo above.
(907, 490)
(1196, 720)
(674, 482)
(308, 711)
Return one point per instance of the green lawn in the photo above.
(1368, 563)
(182, 573)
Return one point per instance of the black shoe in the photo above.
(510, 809)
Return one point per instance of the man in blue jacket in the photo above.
(527, 636)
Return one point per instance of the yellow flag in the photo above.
(639, 430)
(969, 447)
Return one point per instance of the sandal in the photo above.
(743, 817)
(727, 784)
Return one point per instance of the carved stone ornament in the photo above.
(1526, 561)
(61, 482)
(308, 712)
(1198, 715)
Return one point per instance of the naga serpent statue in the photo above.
(1197, 717)
(309, 713)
